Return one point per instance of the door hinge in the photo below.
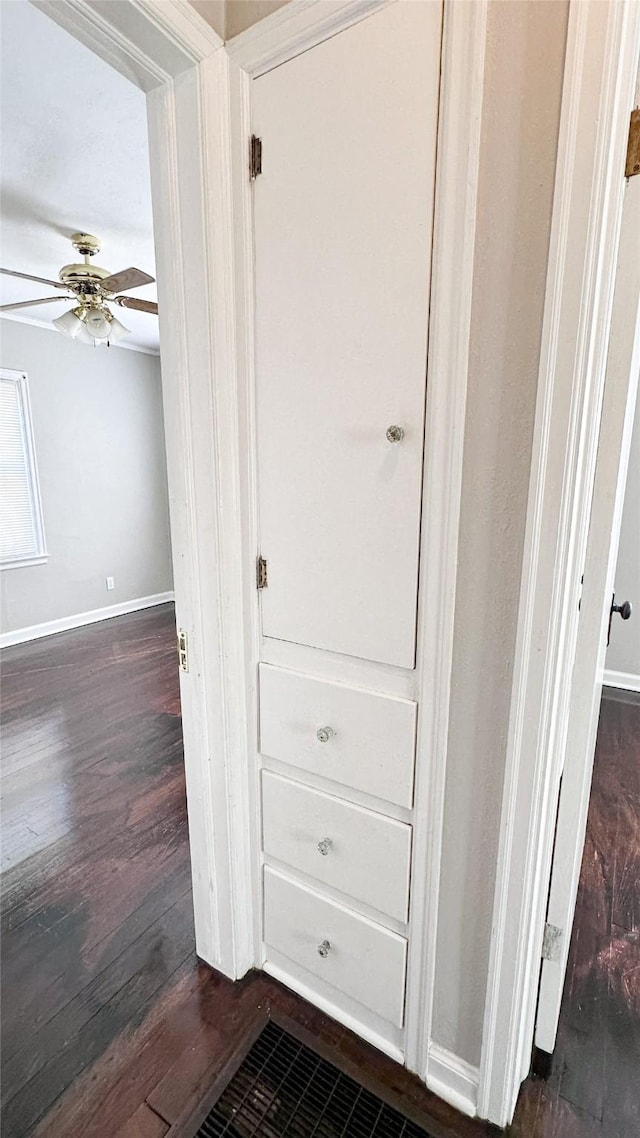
(255, 157)
(261, 573)
(183, 651)
(552, 943)
(633, 146)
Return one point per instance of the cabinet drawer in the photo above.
(355, 955)
(347, 847)
(355, 737)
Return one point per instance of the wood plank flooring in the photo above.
(596, 1064)
(113, 1029)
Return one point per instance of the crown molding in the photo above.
(298, 26)
(147, 42)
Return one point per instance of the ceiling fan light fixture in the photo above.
(91, 321)
(117, 331)
(85, 337)
(70, 323)
(98, 323)
(102, 326)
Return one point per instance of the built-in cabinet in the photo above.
(343, 219)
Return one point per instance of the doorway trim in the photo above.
(172, 54)
(600, 73)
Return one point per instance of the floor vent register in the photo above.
(284, 1088)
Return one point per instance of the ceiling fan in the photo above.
(90, 287)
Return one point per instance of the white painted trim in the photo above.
(48, 327)
(602, 59)
(453, 1080)
(94, 616)
(463, 55)
(148, 42)
(627, 681)
(169, 51)
(39, 559)
(22, 379)
(290, 980)
(178, 22)
(242, 189)
(189, 124)
(294, 28)
(614, 447)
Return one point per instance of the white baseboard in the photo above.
(625, 680)
(36, 631)
(453, 1080)
(362, 1023)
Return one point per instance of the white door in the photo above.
(343, 219)
(623, 364)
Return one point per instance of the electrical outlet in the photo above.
(110, 584)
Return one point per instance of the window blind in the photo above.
(21, 534)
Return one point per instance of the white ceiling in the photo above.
(74, 157)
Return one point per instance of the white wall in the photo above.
(213, 11)
(521, 111)
(623, 654)
(241, 14)
(228, 17)
(97, 420)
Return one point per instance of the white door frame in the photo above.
(600, 73)
(169, 51)
(614, 445)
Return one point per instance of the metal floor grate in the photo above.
(284, 1088)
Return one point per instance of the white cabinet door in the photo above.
(343, 215)
(357, 851)
(357, 956)
(351, 736)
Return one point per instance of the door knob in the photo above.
(324, 846)
(624, 611)
(395, 434)
(324, 948)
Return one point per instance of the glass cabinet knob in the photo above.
(324, 948)
(323, 734)
(395, 434)
(324, 846)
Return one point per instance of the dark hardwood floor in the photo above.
(596, 1064)
(96, 907)
(111, 1027)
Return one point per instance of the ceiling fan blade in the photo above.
(30, 303)
(126, 279)
(139, 305)
(29, 277)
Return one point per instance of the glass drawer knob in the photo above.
(323, 734)
(324, 948)
(395, 434)
(324, 846)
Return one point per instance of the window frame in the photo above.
(21, 379)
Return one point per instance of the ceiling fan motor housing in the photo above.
(74, 275)
(86, 244)
(85, 277)
(93, 289)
